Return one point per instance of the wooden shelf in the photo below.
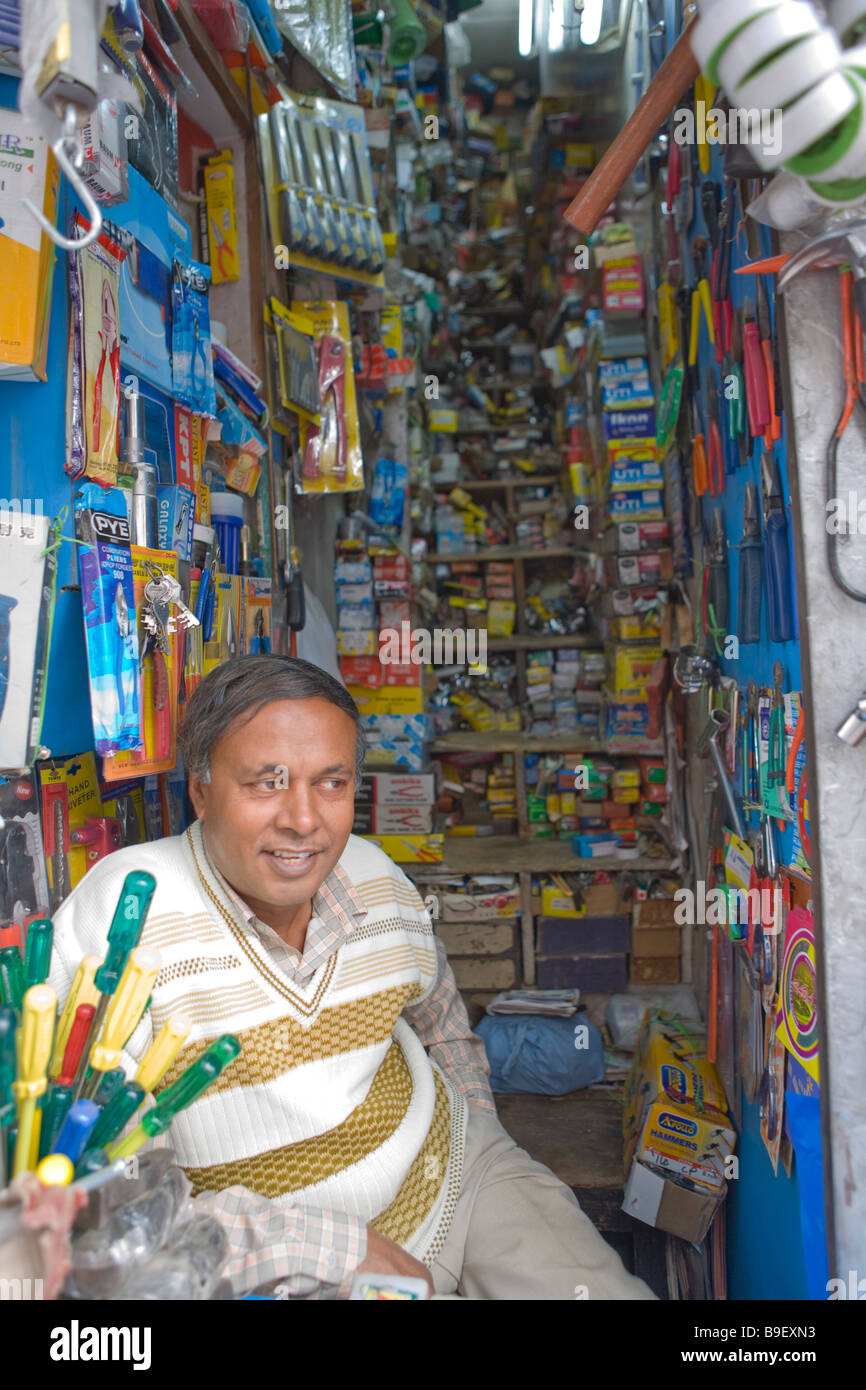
(493, 484)
(482, 430)
(536, 642)
(480, 854)
(515, 741)
(505, 552)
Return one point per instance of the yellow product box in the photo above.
(501, 617)
(677, 1132)
(243, 472)
(222, 230)
(392, 328)
(555, 903)
(626, 775)
(410, 849)
(351, 642)
(632, 667)
(389, 699)
(443, 421)
(637, 627)
(26, 253)
(508, 721)
(579, 156)
(625, 796)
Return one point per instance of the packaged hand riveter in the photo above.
(331, 450)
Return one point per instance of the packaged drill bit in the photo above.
(111, 631)
(192, 359)
(94, 282)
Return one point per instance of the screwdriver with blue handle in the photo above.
(777, 557)
(751, 570)
(123, 936)
(188, 1087)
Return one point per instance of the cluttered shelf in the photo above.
(491, 854)
(515, 741)
(540, 642)
(521, 480)
(505, 552)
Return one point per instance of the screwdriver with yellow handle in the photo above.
(123, 1014)
(123, 936)
(34, 1051)
(83, 991)
(163, 1050)
(188, 1087)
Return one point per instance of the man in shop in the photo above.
(356, 1131)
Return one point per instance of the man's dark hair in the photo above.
(237, 689)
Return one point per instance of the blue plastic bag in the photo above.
(547, 1056)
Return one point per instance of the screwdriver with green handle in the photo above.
(12, 983)
(37, 953)
(188, 1087)
(122, 1016)
(8, 1068)
(123, 936)
(34, 1051)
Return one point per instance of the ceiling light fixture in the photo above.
(525, 26)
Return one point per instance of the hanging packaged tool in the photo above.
(298, 363)
(93, 386)
(219, 192)
(28, 576)
(70, 798)
(331, 450)
(23, 880)
(192, 359)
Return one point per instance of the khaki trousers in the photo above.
(519, 1233)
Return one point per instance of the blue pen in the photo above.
(73, 1137)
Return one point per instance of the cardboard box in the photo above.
(397, 789)
(478, 907)
(676, 1129)
(410, 849)
(391, 699)
(408, 819)
(655, 913)
(651, 941)
(584, 936)
(592, 974)
(655, 970)
(658, 1201)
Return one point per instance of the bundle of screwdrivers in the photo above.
(64, 1097)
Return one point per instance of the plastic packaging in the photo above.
(322, 31)
(227, 515)
(545, 1056)
(188, 1268)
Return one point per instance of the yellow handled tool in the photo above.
(83, 991)
(34, 1051)
(123, 1013)
(163, 1050)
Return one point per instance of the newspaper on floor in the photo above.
(554, 1003)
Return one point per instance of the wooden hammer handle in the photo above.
(674, 77)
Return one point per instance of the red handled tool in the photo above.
(757, 400)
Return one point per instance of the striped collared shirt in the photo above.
(305, 1249)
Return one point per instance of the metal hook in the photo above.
(69, 141)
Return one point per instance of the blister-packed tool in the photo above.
(326, 443)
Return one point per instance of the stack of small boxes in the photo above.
(581, 942)
(655, 942)
(373, 594)
(478, 796)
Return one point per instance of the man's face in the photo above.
(276, 844)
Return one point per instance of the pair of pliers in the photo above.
(735, 399)
(700, 300)
(723, 311)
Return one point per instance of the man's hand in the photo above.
(384, 1257)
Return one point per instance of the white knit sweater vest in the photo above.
(333, 1101)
